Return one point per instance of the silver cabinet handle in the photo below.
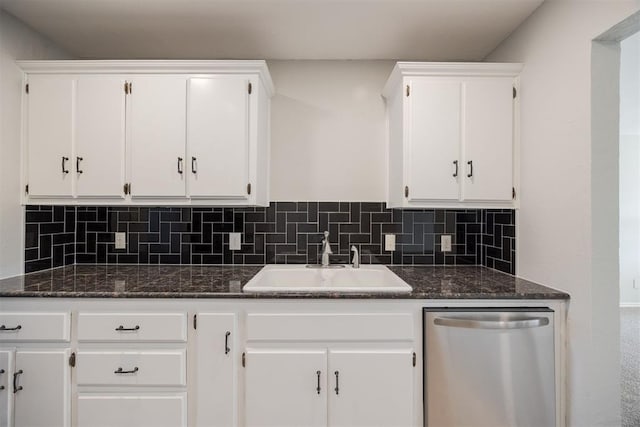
(337, 389)
(471, 323)
(64, 166)
(318, 387)
(193, 165)
(16, 387)
(455, 163)
(180, 165)
(470, 163)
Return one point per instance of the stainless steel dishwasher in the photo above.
(489, 367)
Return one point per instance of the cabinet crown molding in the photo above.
(448, 69)
(255, 67)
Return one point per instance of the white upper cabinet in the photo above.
(218, 137)
(451, 134)
(49, 136)
(99, 162)
(157, 106)
(147, 132)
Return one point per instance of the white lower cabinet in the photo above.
(286, 387)
(334, 387)
(215, 379)
(41, 388)
(6, 393)
(132, 410)
(371, 387)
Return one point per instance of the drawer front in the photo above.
(132, 327)
(330, 327)
(132, 368)
(132, 410)
(54, 327)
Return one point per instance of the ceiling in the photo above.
(434, 30)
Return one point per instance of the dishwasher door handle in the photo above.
(479, 323)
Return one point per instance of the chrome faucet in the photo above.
(326, 250)
(355, 262)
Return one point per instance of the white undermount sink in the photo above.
(299, 278)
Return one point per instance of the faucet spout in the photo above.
(326, 250)
(356, 257)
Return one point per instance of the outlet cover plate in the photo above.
(235, 241)
(445, 243)
(121, 240)
(390, 242)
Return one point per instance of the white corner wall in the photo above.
(555, 238)
(17, 41)
(328, 130)
(630, 170)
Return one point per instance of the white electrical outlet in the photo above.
(235, 241)
(121, 240)
(445, 243)
(390, 242)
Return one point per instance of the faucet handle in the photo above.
(326, 235)
(356, 257)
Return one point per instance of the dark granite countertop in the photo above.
(163, 281)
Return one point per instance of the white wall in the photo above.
(17, 41)
(630, 170)
(555, 239)
(328, 130)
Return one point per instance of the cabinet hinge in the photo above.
(408, 90)
(513, 193)
(414, 358)
(515, 92)
(249, 188)
(72, 359)
(26, 88)
(244, 359)
(195, 321)
(26, 189)
(250, 88)
(406, 191)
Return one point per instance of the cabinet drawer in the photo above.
(135, 368)
(132, 410)
(330, 327)
(132, 327)
(35, 327)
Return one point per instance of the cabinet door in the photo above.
(45, 381)
(216, 403)
(100, 132)
(218, 137)
(371, 388)
(6, 390)
(286, 388)
(50, 106)
(129, 410)
(488, 139)
(157, 129)
(433, 139)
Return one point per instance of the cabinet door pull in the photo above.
(122, 328)
(120, 371)
(15, 328)
(470, 163)
(318, 387)
(337, 389)
(64, 167)
(78, 160)
(16, 387)
(226, 342)
(180, 165)
(193, 165)
(1, 372)
(455, 163)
